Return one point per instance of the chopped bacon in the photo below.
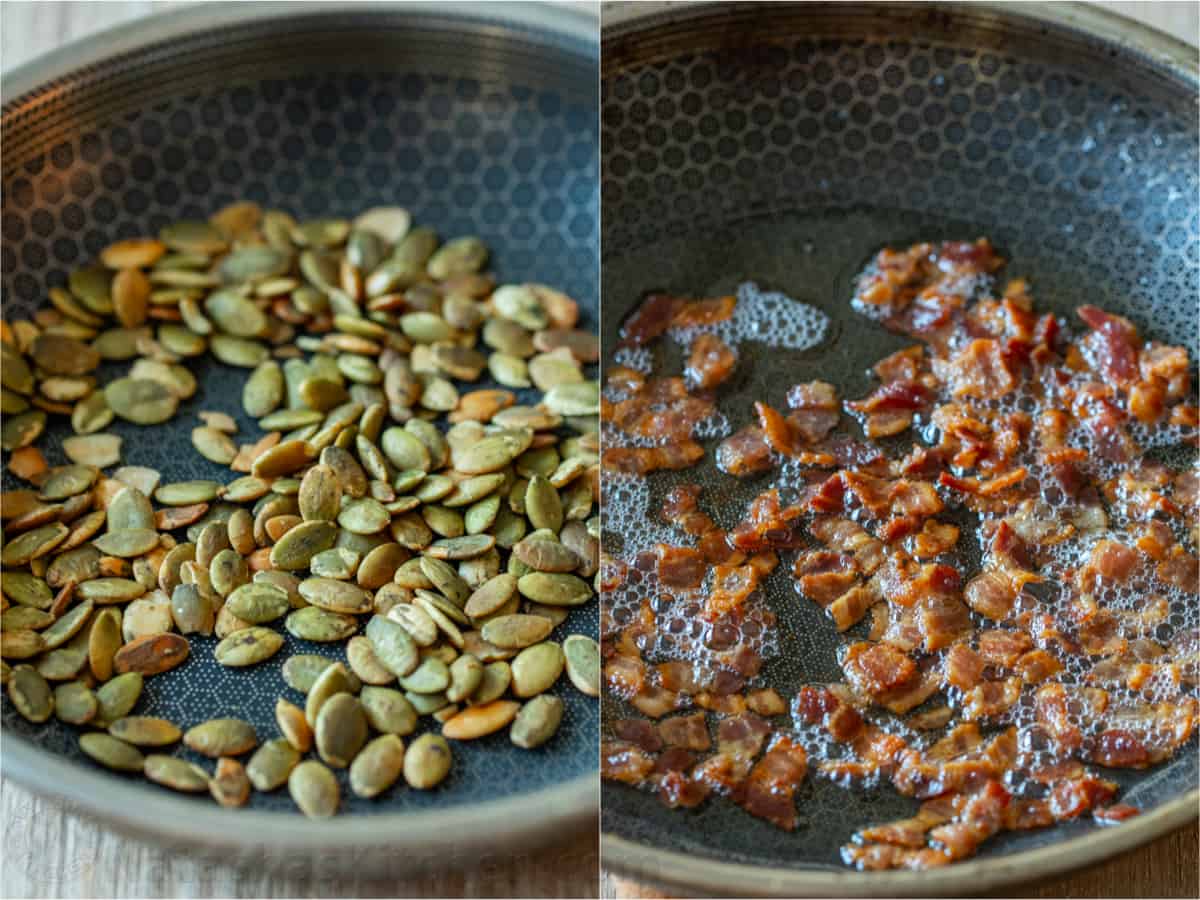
(688, 732)
(704, 312)
(766, 702)
(1036, 666)
(767, 525)
(1001, 648)
(991, 594)
(732, 585)
(620, 761)
(1180, 569)
(934, 539)
(711, 362)
(680, 567)
(823, 576)
(963, 667)
(875, 668)
(652, 318)
(678, 791)
(770, 789)
(745, 452)
(1116, 349)
(990, 698)
(643, 460)
(639, 732)
(980, 370)
(625, 675)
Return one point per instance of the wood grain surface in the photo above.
(49, 852)
(1169, 867)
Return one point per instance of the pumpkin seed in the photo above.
(271, 764)
(117, 697)
(127, 542)
(140, 400)
(177, 774)
(362, 660)
(537, 721)
(263, 390)
(516, 631)
(466, 675)
(431, 676)
(21, 644)
(314, 789)
(300, 544)
(152, 654)
(99, 450)
(221, 737)
(322, 626)
(536, 668)
(583, 663)
(427, 762)
(145, 731)
(554, 589)
(187, 493)
(341, 730)
(580, 399)
(479, 721)
(111, 753)
(332, 681)
(229, 785)
(335, 596)
(74, 703)
(104, 640)
(414, 620)
(393, 646)
(258, 602)
(497, 676)
(302, 670)
(248, 647)
(30, 694)
(295, 728)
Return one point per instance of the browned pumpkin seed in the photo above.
(295, 728)
(152, 654)
(229, 785)
(479, 721)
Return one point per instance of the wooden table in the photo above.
(51, 853)
(1169, 867)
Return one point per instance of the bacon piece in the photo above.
(625, 675)
(1117, 344)
(688, 732)
(934, 539)
(620, 761)
(710, 362)
(991, 698)
(652, 318)
(1115, 814)
(1002, 648)
(942, 617)
(767, 525)
(814, 408)
(643, 460)
(849, 608)
(823, 576)
(1036, 666)
(704, 312)
(1119, 749)
(745, 452)
(766, 702)
(678, 791)
(1071, 799)
(982, 816)
(963, 667)
(1180, 569)
(979, 370)
(732, 585)
(875, 668)
(847, 536)
(769, 791)
(638, 732)
(680, 567)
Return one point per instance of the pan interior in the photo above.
(477, 126)
(746, 145)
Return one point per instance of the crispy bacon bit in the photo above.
(1116, 349)
(990, 698)
(766, 702)
(652, 318)
(980, 370)
(1180, 569)
(704, 312)
(688, 732)
(745, 452)
(1115, 814)
(678, 791)
(934, 539)
(770, 789)
(732, 585)
(875, 668)
(711, 362)
(680, 567)
(768, 525)
(1001, 648)
(1036, 666)
(963, 667)
(638, 732)
(643, 460)
(620, 761)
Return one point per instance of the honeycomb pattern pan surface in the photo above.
(787, 143)
(480, 120)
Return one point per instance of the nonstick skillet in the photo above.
(480, 119)
(785, 144)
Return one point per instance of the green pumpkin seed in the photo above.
(583, 663)
(363, 662)
(271, 764)
(29, 590)
(117, 697)
(141, 400)
(537, 721)
(322, 626)
(516, 631)
(332, 681)
(259, 602)
(536, 668)
(263, 390)
(248, 647)
(62, 664)
(145, 731)
(221, 737)
(579, 399)
(300, 544)
(377, 766)
(229, 786)
(497, 676)
(187, 493)
(177, 774)
(91, 414)
(393, 646)
(32, 544)
(427, 762)
(69, 623)
(554, 589)
(127, 542)
(446, 580)
(21, 644)
(74, 703)
(314, 790)
(388, 711)
(30, 694)
(213, 445)
(365, 516)
(335, 596)
(340, 730)
(98, 450)
(22, 430)
(466, 675)
(432, 676)
(302, 670)
(111, 753)
(520, 304)
(240, 352)
(24, 618)
(414, 620)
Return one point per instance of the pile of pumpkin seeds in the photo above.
(442, 557)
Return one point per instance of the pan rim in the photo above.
(691, 873)
(455, 835)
